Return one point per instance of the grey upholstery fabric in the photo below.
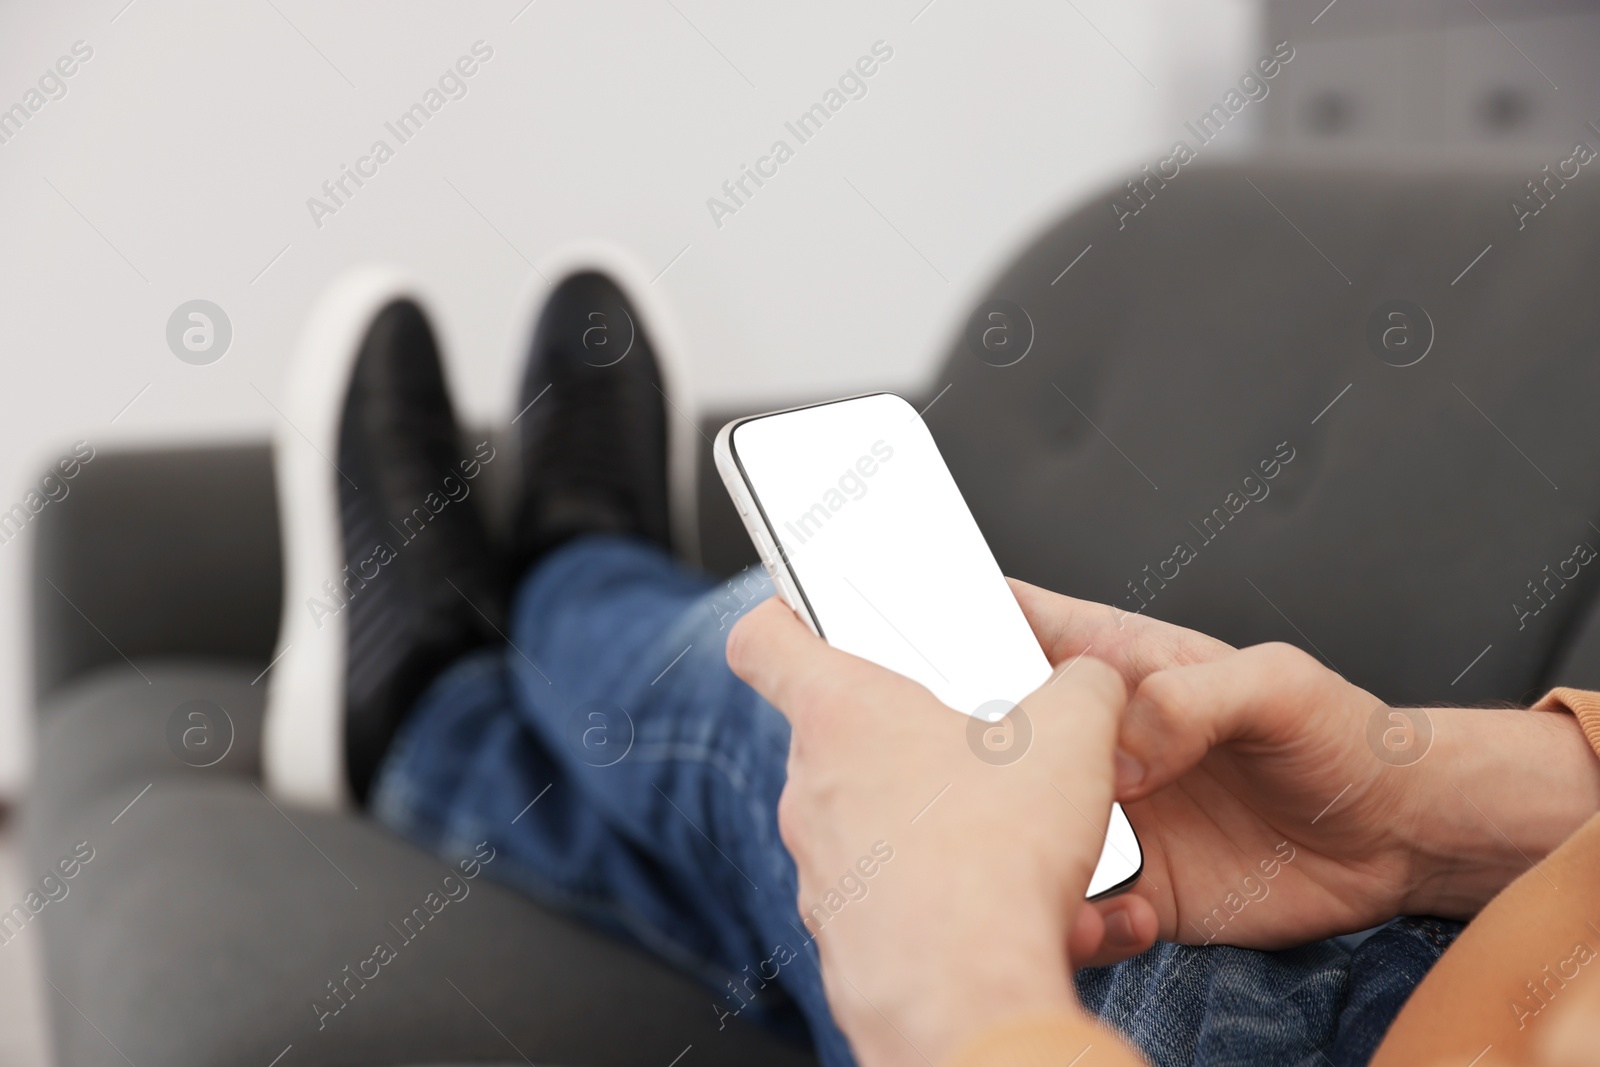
(1181, 350)
(208, 920)
(166, 552)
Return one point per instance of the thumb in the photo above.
(1072, 719)
(1178, 715)
(1085, 695)
(775, 653)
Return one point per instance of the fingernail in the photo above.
(1130, 772)
(1119, 929)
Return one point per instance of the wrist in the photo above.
(976, 1009)
(1495, 793)
(963, 994)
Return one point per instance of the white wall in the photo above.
(179, 162)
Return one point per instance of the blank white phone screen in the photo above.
(892, 566)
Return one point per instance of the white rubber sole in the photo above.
(303, 749)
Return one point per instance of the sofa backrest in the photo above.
(1239, 317)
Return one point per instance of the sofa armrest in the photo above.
(156, 554)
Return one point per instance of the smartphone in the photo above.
(869, 540)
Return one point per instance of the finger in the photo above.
(1129, 924)
(1073, 719)
(775, 653)
(1134, 644)
(798, 672)
(1063, 625)
(1084, 937)
(1085, 696)
(1178, 715)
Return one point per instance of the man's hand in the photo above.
(1386, 811)
(1226, 763)
(971, 920)
(1274, 805)
(1268, 821)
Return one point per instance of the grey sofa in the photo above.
(1172, 359)
(209, 920)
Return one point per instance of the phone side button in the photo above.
(765, 545)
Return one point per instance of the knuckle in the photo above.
(1279, 651)
(1284, 661)
(738, 650)
(1164, 693)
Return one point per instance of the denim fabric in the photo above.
(1328, 1003)
(628, 778)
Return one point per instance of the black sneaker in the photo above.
(591, 425)
(390, 573)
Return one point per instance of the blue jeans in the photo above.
(627, 777)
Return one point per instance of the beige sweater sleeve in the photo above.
(1486, 993)
(1514, 962)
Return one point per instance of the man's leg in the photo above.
(626, 775)
(1327, 1004)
